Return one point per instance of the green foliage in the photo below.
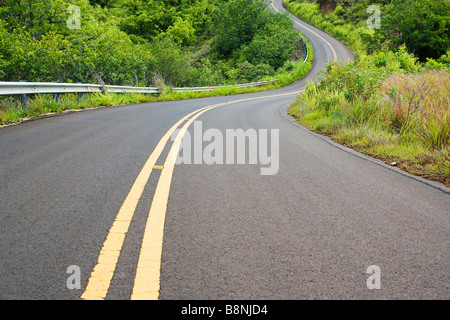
(40, 60)
(143, 42)
(145, 19)
(359, 79)
(246, 71)
(255, 40)
(386, 104)
(352, 32)
(421, 25)
(181, 32)
(236, 22)
(170, 62)
(273, 44)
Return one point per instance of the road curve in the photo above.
(94, 192)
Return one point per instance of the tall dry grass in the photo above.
(419, 105)
(405, 121)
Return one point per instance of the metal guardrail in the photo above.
(305, 48)
(28, 88)
(245, 85)
(21, 88)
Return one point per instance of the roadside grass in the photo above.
(385, 104)
(11, 110)
(405, 121)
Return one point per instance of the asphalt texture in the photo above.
(310, 231)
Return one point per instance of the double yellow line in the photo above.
(103, 272)
(147, 279)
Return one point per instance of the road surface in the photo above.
(87, 197)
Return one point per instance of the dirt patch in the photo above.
(327, 6)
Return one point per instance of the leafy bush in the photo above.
(258, 41)
(422, 25)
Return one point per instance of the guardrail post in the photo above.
(24, 97)
(79, 94)
(55, 95)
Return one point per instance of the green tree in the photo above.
(181, 32)
(422, 25)
(236, 23)
(273, 44)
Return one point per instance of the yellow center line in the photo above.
(146, 284)
(303, 26)
(102, 274)
(147, 279)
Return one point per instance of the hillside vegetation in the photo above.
(393, 102)
(152, 43)
(145, 42)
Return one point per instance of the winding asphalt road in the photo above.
(77, 190)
